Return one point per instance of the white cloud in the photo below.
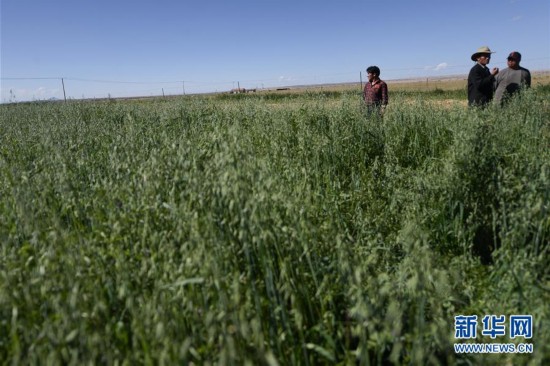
(441, 66)
(24, 94)
(516, 18)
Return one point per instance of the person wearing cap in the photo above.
(375, 93)
(480, 79)
(512, 79)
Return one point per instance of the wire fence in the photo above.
(14, 89)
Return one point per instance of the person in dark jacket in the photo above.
(480, 79)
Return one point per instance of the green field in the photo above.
(271, 229)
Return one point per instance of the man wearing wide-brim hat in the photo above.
(480, 79)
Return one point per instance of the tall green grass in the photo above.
(234, 231)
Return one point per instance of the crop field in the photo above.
(272, 229)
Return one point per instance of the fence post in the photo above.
(64, 95)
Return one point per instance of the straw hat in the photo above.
(481, 50)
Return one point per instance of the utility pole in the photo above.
(64, 95)
(183, 82)
(361, 78)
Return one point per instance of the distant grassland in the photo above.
(446, 91)
(426, 84)
(276, 228)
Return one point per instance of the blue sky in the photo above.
(124, 48)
